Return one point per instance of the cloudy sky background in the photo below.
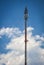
(12, 44)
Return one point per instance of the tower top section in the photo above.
(26, 13)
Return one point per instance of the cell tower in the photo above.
(25, 18)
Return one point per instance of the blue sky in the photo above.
(12, 16)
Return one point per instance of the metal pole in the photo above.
(25, 42)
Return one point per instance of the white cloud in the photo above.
(39, 37)
(35, 55)
(9, 31)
